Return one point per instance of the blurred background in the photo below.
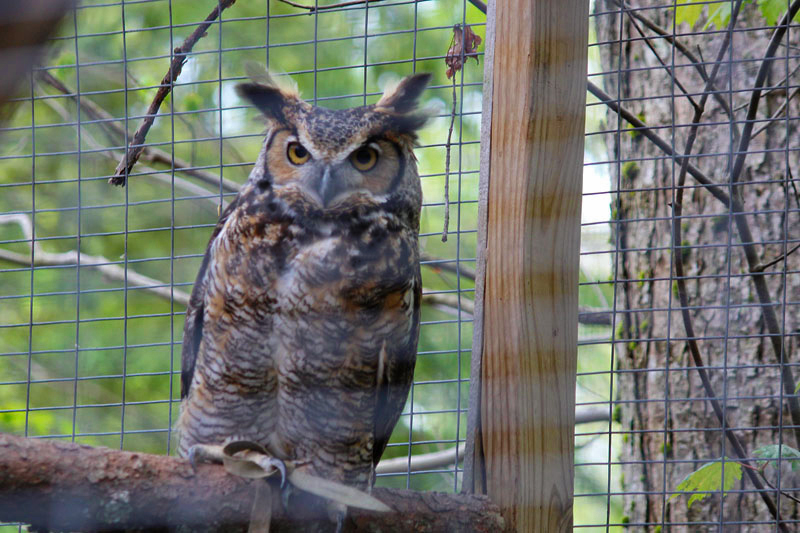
(94, 278)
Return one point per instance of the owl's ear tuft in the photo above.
(269, 100)
(268, 95)
(404, 97)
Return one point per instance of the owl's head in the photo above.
(327, 162)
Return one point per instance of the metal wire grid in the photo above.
(84, 356)
(623, 370)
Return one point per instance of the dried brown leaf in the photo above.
(465, 45)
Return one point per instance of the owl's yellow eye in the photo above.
(297, 153)
(365, 158)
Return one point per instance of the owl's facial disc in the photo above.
(366, 171)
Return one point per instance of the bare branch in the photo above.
(39, 257)
(448, 265)
(477, 3)
(680, 275)
(312, 9)
(717, 191)
(447, 166)
(761, 78)
(179, 59)
(422, 462)
(71, 487)
(117, 134)
(696, 61)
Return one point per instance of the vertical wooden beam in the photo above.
(530, 294)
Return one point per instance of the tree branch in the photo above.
(693, 59)
(477, 3)
(63, 486)
(736, 444)
(117, 134)
(179, 59)
(717, 191)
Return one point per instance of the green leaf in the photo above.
(720, 16)
(709, 478)
(772, 452)
(772, 10)
(688, 12)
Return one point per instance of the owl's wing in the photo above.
(398, 373)
(195, 313)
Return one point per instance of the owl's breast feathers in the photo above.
(299, 313)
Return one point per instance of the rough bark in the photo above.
(670, 427)
(70, 487)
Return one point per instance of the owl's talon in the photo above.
(340, 516)
(278, 465)
(286, 493)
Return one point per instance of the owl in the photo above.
(302, 328)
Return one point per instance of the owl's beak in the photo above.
(326, 187)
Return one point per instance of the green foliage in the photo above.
(92, 342)
(708, 479)
(773, 452)
(719, 13)
(689, 12)
(773, 10)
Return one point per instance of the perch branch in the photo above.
(63, 486)
(179, 59)
(677, 207)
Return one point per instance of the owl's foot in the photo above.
(240, 457)
(205, 453)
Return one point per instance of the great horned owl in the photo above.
(302, 329)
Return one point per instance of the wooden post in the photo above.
(524, 455)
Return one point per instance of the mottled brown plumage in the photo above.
(302, 329)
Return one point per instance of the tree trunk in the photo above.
(669, 426)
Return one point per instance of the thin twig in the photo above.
(448, 265)
(670, 72)
(179, 59)
(742, 225)
(694, 60)
(770, 485)
(39, 257)
(447, 165)
(771, 119)
(680, 275)
(717, 191)
(159, 176)
(312, 9)
(447, 302)
(477, 3)
(755, 97)
(762, 268)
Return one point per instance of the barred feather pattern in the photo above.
(302, 328)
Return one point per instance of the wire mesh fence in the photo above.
(689, 254)
(94, 279)
(691, 141)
